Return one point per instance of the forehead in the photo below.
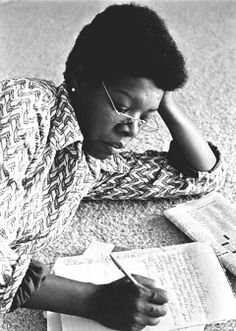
(141, 91)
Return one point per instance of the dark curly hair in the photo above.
(128, 39)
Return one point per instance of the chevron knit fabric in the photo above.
(44, 174)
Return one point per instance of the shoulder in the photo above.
(28, 99)
(25, 108)
(23, 87)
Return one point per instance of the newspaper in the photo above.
(209, 219)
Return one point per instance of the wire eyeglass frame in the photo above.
(141, 123)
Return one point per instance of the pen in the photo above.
(125, 272)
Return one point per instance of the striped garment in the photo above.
(44, 174)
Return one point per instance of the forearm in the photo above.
(189, 139)
(118, 305)
(63, 296)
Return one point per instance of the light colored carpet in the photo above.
(35, 38)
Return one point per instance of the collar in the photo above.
(66, 133)
(65, 129)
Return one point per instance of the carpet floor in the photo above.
(35, 38)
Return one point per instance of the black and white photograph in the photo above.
(117, 165)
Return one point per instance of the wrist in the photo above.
(174, 118)
(64, 296)
(86, 306)
(93, 302)
(168, 108)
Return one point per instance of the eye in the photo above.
(149, 117)
(121, 108)
(145, 118)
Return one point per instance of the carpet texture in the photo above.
(35, 38)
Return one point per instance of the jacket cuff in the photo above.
(34, 276)
(177, 160)
(12, 280)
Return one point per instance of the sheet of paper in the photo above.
(98, 249)
(53, 321)
(213, 219)
(197, 288)
(80, 324)
(71, 323)
(95, 249)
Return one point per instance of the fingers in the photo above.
(148, 282)
(158, 296)
(131, 307)
(150, 306)
(153, 294)
(151, 302)
(139, 321)
(146, 315)
(156, 311)
(150, 310)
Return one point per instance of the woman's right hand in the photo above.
(121, 305)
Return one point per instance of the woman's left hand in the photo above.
(167, 103)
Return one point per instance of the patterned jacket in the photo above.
(44, 174)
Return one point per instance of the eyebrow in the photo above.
(123, 92)
(131, 98)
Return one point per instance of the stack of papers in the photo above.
(96, 249)
(198, 290)
(210, 219)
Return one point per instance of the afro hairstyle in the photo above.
(128, 39)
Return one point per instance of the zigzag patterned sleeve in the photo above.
(22, 125)
(152, 176)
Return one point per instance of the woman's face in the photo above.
(106, 132)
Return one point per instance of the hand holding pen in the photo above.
(126, 273)
(130, 303)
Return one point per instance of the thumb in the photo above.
(145, 281)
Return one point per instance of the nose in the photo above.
(130, 129)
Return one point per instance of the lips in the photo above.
(116, 145)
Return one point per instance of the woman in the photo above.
(60, 144)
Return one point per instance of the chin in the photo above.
(99, 151)
(101, 156)
(98, 154)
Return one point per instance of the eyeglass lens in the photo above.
(121, 118)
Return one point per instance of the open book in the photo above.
(198, 290)
(213, 219)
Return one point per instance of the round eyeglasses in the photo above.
(149, 125)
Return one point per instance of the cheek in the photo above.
(99, 122)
